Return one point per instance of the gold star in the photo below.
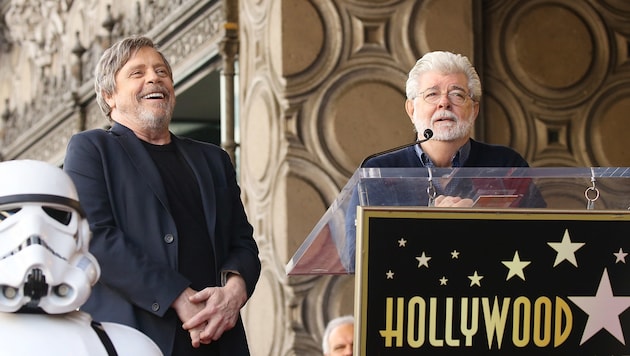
(475, 279)
(516, 267)
(423, 260)
(566, 249)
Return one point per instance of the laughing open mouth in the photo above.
(154, 96)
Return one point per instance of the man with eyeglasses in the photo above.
(443, 92)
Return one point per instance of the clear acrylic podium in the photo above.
(537, 265)
(573, 189)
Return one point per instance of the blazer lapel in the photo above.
(142, 160)
(197, 162)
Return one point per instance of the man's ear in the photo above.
(409, 108)
(475, 110)
(109, 99)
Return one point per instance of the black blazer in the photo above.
(134, 235)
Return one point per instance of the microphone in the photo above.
(428, 133)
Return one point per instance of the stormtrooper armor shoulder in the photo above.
(47, 271)
(68, 334)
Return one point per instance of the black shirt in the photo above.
(195, 255)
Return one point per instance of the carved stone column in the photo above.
(229, 51)
(321, 87)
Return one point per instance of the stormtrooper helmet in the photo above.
(45, 265)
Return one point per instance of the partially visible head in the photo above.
(44, 238)
(338, 337)
(112, 61)
(445, 63)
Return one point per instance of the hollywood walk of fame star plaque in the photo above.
(509, 282)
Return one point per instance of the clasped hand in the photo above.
(446, 201)
(207, 314)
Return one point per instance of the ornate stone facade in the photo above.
(320, 86)
(52, 47)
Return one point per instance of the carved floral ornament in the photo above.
(59, 58)
(38, 23)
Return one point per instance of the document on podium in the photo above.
(496, 201)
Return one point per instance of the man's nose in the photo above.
(444, 101)
(153, 77)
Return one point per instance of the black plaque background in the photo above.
(484, 240)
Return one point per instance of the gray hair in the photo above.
(332, 325)
(446, 63)
(112, 61)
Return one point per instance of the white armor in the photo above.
(47, 272)
(44, 258)
(68, 334)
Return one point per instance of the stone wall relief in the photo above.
(33, 32)
(52, 47)
(561, 62)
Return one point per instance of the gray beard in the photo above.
(460, 130)
(155, 122)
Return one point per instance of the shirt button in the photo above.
(155, 307)
(168, 238)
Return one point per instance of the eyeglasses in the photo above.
(455, 96)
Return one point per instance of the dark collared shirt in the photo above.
(457, 161)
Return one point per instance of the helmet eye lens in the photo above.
(5, 213)
(61, 216)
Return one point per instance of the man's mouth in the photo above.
(156, 95)
(444, 116)
(448, 120)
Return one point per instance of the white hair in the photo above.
(446, 63)
(332, 325)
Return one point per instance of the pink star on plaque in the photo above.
(603, 311)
